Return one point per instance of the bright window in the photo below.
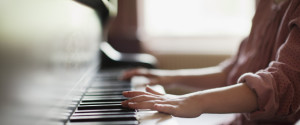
(190, 18)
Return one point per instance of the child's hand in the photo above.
(161, 77)
(180, 106)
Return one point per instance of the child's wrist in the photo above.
(202, 99)
(202, 103)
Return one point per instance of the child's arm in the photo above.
(231, 99)
(201, 78)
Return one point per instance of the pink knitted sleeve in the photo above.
(278, 86)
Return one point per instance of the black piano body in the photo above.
(49, 65)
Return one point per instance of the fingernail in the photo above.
(157, 105)
(124, 92)
(124, 104)
(148, 87)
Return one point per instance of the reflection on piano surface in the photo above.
(49, 54)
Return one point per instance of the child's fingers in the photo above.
(134, 93)
(142, 98)
(135, 72)
(141, 105)
(128, 74)
(148, 89)
(165, 108)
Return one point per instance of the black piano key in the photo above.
(103, 100)
(107, 106)
(111, 87)
(102, 93)
(106, 75)
(102, 79)
(130, 122)
(110, 83)
(105, 110)
(117, 84)
(102, 118)
(108, 90)
(100, 103)
(103, 96)
(103, 113)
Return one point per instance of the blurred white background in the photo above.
(197, 17)
(193, 33)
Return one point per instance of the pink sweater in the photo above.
(268, 61)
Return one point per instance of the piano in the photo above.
(51, 54)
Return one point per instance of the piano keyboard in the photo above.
(101, 105)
